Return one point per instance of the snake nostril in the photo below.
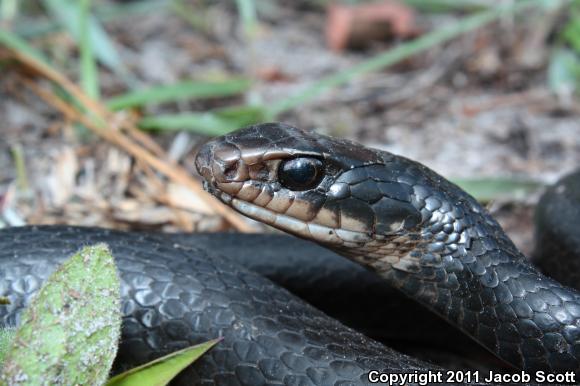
(230, 169)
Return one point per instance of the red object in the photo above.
(273, 74)
(355, 26)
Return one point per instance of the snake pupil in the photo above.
(300, 173)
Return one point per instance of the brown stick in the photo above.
(101, 113)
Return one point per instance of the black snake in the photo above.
(420, 233)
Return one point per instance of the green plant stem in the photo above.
(398, 54)
(20, 164)
(247, 11)
(89, 73)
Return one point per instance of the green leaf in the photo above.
(89, 73)
(161, 371)
(70, 331)
(399, 53)
(180, 91)
(216, 122)
(67, 12)
(489, 189)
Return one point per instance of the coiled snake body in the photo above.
(420, 233)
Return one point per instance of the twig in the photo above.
(171, 170)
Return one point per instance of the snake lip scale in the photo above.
(418, 231)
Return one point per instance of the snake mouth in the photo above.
(304, 229)
(217, 193)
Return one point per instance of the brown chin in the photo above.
(307, 230)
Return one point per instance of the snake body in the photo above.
(420, 233)
(175, 296)
(557, 235)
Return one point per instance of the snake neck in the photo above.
(462, 266)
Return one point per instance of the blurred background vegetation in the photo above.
(104, 102)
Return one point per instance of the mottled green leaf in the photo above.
(70, 331)
(6, 337)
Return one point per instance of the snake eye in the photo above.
(300, 173)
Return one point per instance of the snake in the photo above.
(394, 224)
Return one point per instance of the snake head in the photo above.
(332, 191)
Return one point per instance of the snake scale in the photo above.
(407, 226)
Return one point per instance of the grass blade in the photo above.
(179, 91)
(193, 15)
(16, 44)
(67, 11)
(33, 27)
(95, 116)
(489, 189)
(247, 11)
(563, 71)
(119, 10)
(20, 166)
(32, 57)
(448, 5)
(89, 73)
(161, 371)
(8, 10)
(398, 54)
(217, 122)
